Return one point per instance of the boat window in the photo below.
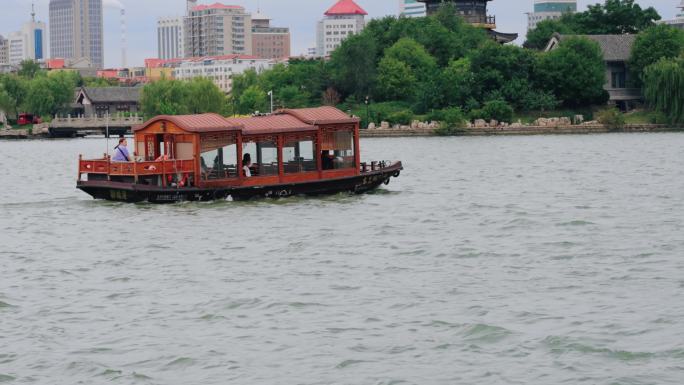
(339, 146)
(299, 156)
(218, 159)
(264, 154)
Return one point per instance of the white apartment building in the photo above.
(220, 69)
(4, 51)
(170, 38)
(678, 21)
(412, 8)
(342, 20)
(29, 43)
(549, 10)
(217, 29)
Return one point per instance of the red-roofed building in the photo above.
(343, 19)
(217, 29)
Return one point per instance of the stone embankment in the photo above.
(542, 126)
(38, 131)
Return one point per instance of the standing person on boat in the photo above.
(121, 152)
(246, 164)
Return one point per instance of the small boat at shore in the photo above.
(312, 151)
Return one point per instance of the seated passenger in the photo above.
(246, 164)
(327, 160)
(121, 152)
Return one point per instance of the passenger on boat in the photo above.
(327, 160)
(121, 152)
(246, 164)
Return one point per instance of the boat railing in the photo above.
(105, 166)
(374, 166)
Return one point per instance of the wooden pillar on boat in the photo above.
(109, 167)
(80, 159)
(198, 168)
(163, 162)
(281, 167)
(135, 171)
(319, 150)
(357, 148)
(240, 171)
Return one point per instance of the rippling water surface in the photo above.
(503, 260)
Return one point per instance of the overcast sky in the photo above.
(299, 15)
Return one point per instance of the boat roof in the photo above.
(321, 115)
(282, 121)
(277, 123)
(195, 123)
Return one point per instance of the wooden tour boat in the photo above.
(311, 151)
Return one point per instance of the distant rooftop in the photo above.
(345, 7)
(216, 6)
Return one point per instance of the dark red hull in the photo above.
(133, 193)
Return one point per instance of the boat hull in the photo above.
(134, 193)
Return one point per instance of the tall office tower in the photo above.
(342, 20)
(4, 50)
(29, 43)
(76, 30)
(269, 42)
(216, 30)
(549, 10)
(412, 8)
(170, 38)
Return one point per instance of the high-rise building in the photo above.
(475, 13)
(269, 42)
(217, 30)
(170, 42)
(27, 44)
(4, 50)
(342, 20)
(678, 21)
(412, 8)
(549, 10)
(76, 30)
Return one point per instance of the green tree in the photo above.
(661, 41)
(204, 96)
(458, 82)
(664, 85)
(252, 100)
(291, 96)
(495, 109)
(353, 66)
(165, 97)
(6, 102)
(614, 17)
(17, 88)
(575, 72)
(539, 37)
(51, 94)
(29, 69)
(395, 80)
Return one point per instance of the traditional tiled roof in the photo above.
(271, 124)
(345, 7)
(614, 47)
(283, 121)
(112, 94)
(321, 115)
(195, 123)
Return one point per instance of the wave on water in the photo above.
(562, 345)
(6, 378)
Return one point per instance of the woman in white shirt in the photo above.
(246, 164)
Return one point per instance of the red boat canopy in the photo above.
(194, 123)
(345, 7)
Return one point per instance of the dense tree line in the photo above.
(34, 90)
(426, 65)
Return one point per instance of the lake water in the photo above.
(491, 260)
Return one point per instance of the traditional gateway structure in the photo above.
(208, 157)
(475, 13)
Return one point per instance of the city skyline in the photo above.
(143, 15)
